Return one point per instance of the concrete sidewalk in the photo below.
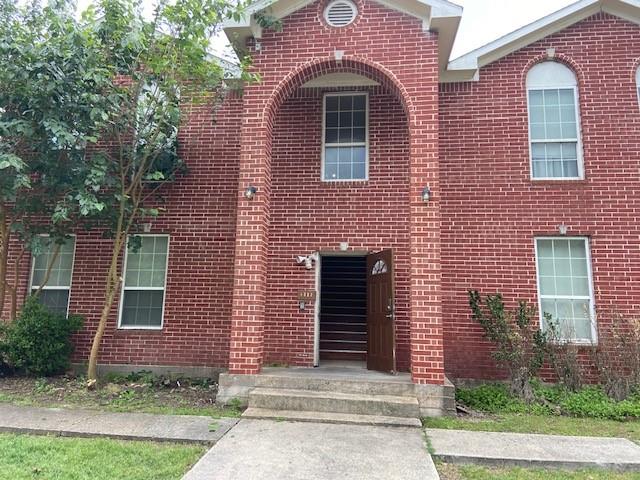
(125, 426)
(526, 450)
(272, 450)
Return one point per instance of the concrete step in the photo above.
(337, 402)
(394, 386)
(330, 417)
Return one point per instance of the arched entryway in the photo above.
(263, 308)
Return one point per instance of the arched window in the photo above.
(554, 122)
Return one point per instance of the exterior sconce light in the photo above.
(426, 194)
(250, 192)
(563, 229)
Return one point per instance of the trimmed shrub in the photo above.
(38, 342)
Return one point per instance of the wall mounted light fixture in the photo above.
(426, 194)
(250, 192)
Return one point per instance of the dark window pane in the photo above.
(142, 308)
(331, 135)
(332, 103)
(345, 135)
(359, 135)
(359, 119)
(55, 300)
(332, 119)
(345, 119)
(359, 102)
(346, 102)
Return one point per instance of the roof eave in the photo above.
(438, 15)
(468, 65)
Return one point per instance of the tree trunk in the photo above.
(14, 287)
(4, 257)
(113, 282)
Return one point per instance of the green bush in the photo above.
(493, 398)
(521, 346)
(5, 368)
(588, 402)
(38, 342)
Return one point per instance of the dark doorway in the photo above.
(343, 308)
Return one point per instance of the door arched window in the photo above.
(554, 122)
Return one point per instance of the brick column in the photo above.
(252, 228)
(427, 346)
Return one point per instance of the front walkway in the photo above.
(539, 451)
(125, 426)
(272, 450)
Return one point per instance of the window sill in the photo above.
(558, 181)
(345, 183)
(140, 330)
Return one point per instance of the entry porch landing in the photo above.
(336, 392)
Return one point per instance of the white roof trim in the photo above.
(466, 67)
(438, 15)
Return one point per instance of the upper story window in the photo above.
(554, 122)
(143, 289)
(340, 13)
(51, 273)
(565, 288)
(345, 137)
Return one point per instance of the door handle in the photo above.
(391, 313)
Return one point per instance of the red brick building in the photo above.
(342, 207)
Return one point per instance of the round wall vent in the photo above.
(340, 13)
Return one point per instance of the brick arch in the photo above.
(562, 58)
(322, 66)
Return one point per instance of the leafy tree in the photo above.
(162, 66)
(89, 113)
(52, 103)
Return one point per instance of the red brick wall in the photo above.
(491, 209)
(310, 215)
(392, 48)
(200, 219)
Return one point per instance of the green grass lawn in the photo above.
(468, 472)
(24, 457)
(551, 425)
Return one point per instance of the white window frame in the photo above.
(638, 84)
(123, 288)
(45, 287)
(578, 140)
(358, 144)
(592, 307)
